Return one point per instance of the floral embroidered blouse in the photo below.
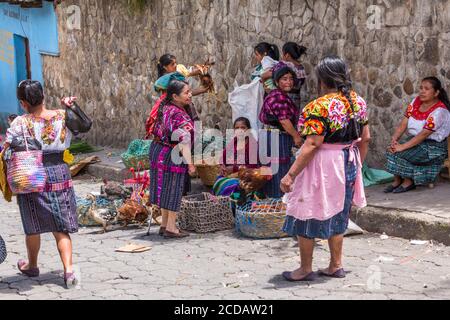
(331, 116)
(436, 119)
(52, 133)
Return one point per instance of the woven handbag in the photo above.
(3, 253)
(26, 172)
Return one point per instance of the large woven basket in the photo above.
(203, 213)
(262, 219)
(208, 173)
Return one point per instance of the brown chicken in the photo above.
(132, 212)
(252, 180)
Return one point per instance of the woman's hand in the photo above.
(68, 101)
(191, 169)
(286, 184)
(398, 148)
(298, 141)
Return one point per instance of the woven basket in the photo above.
(203, 213)
(208, 173)
(261, 220)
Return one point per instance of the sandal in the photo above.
(171, 235)
(340, 274)
(32, 273)
(70, 280)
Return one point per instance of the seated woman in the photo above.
(419, 159)
(241, 152)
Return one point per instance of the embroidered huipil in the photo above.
(51, 133)
(436, 119)
(319, 190)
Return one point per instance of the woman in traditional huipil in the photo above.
(418, 159)
(52, 211)
(326, 178)
(279, 116)
(173, 136)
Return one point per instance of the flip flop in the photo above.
(288, 277)
(32, 273)
(340, 274)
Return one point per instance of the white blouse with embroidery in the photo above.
(52, 133)
(437, 120)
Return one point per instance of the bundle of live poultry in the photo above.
(124, 203)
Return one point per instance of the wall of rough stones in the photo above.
(110, 62)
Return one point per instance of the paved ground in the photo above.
(220, 266)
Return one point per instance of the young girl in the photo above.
(242, 151)
(267, 55)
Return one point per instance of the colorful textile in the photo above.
(331, 116)
(319, 190)
(51, 133)
(436, 119)
(167, 180)
(175, 124)
(281, 162)
(278, 106)
(422, 163)
(150, 123)
(336, 225)
(225, 186)
(51, 211)
(163, 83)
(245, 155)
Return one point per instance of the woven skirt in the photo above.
(54, 210)
(168, 181)
(338, 224)
(423, 163)
(284, 160)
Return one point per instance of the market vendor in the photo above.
(167, 178)
(279, 115)
(418, 159)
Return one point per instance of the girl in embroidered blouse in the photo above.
(54, 210)
(418, 159)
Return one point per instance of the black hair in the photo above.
(282, 72)
(268, 49)
(334, 73)
(31, 91)
(12, 117)
(243, 119)
(164, 61)
(175, 87)
(294, 50)
(437, 85)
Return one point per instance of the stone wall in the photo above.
(110, 63)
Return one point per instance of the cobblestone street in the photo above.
(219, 266)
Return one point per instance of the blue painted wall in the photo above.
(39, 26)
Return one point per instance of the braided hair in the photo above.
(175, 87)
(333, 72)
(437, 86)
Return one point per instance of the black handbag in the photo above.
(3, 253)
(76, 120)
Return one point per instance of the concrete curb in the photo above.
(403, 224)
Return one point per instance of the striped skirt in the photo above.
(54, 210)
(168, 180)
(423, 163)
(337, 225)
(283, 160)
